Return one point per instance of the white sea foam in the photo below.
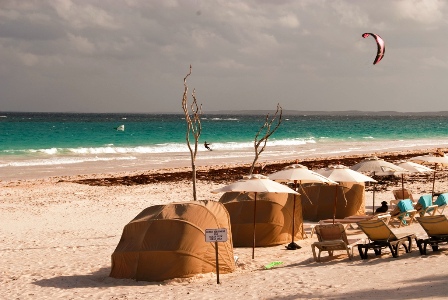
(60, 161)
(224, 119)
(235, 152)
(49, 151)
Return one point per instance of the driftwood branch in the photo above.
(194, 127)
(263, 134)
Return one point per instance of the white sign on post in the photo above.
(216, 235)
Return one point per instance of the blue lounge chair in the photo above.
(441, 202)
(403, 214)
(425, 206)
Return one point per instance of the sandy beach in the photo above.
(58, 234)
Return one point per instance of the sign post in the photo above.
(216, 235)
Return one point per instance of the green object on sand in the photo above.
(273, 264)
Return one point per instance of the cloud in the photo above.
(244, 53)
(422, 11)
(290, 20)
(28, 59)
(82, 44)
(351, 14)
(81, 14)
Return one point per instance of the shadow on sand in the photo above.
(98, 279)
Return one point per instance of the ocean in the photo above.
(46, 144)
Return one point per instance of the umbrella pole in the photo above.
(374, 188)
(293, 212)
(433, 182)
(253, 243)
(373, 200)
(292, 245)
(402, 185)
(335, 201)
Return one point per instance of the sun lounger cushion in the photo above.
(442, 199)
(424, 203)
(402, 206)
(405, 205)
(425, 200)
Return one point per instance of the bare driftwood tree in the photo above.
(193, 119)
(266, 130)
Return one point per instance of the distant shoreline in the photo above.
(286, 112)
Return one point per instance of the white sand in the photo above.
(57, 239)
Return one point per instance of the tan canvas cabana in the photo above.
(320, 205)
(168, 241)
(273, 219)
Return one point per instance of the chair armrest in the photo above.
(431, 210)
(385, 217)
(393, 203)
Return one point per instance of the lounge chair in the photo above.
(351, 220)
(425, 206)
(381, 236)
(441, 202)
(403, 214)
(436, 228)
(393, 204)
(401, 194)
(332, 237)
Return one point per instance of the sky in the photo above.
(120, 56)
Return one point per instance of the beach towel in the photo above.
(405, 205)
(273, 264)
(442, 199)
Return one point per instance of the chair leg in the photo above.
(348, 253)
(312, 230)
(407, 249)
(410, 238)
(394, 250)
(362, 249)
(377, 250)
(313, 247)
(421, 244)
(435, 246)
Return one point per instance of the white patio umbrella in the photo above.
(433, 160)
(413, 168)
(341, 173)
(257, 184)
(379, 167)
(298, 173)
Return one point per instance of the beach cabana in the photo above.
(298, 174)
(273, 219)
(344, 176)
(321, 204)
(168, 241)
(256, 184)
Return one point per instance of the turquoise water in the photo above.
(60, 138)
